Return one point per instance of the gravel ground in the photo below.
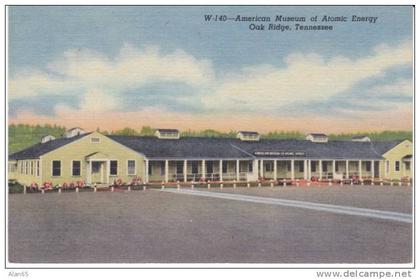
(162, 227)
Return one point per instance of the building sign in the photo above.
(280, 153)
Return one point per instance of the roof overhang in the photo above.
(97, 156)
(407, 158)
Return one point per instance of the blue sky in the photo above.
(51, 47)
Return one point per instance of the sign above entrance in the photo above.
(280, 153)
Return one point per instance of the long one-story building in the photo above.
(102, 159)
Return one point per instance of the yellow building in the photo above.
(98, 159)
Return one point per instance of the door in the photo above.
(376, 169)
(97, 172)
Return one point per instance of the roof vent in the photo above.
(47, 138)
(361, 138)
(316, 137)
(167, 133)
(248, 136)
(73, 132)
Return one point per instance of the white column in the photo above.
(309, 169)
(203, 168)
(360, 169)
(320, 169)
(90, 172)
(372, 169)
(107, 170)
(166, 170)
(275, 170)
(292, 169)
(146, 174)
(402, 168)
(333, 168)
(237, 170)
(255, 169)
(185, 170)
(261, 168)
(102, 172)
(347, 169)
(221, 170)
(305, 169)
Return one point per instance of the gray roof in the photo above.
(34, 151)
(200, 147)
(228, 148)
(249, 133)
(74, 128)
(186, 147)
(338, 149)
(359, 137)
(384, 146)
(317, 134)
(168, 130)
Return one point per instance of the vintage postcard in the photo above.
(258, 136)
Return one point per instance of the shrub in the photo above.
(15, 187)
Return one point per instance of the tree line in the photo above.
(24, 135)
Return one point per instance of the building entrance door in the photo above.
(376, 169)
(98, 172)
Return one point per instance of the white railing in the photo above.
(207, 176)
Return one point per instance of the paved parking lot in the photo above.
(395, 198)
(161, 227)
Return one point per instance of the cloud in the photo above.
(33, 83)
(379, 95)
(306, 88)
(305, 77)
(82, 70)
(97, 101)
(399, 88)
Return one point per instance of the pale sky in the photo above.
(115, 67)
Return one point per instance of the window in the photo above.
(179, 167)
(397, 165)
(250, 166)
(32, 167)
(75, 168)
(301, 166)
(21, 167)
(56, 168)
(209, 167)
(12, 167)
(407, 166)
(243, 167)
(224, 167)
(313, 166)
(269, 166)
(162, 168)
(113, 167)
(194, 167)
(131, 167)
(336, 167)
(95, 140)
(149, 167)
(26, 167)
(324, 166)
(37, 168)
(368, 166)
(289, 166)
